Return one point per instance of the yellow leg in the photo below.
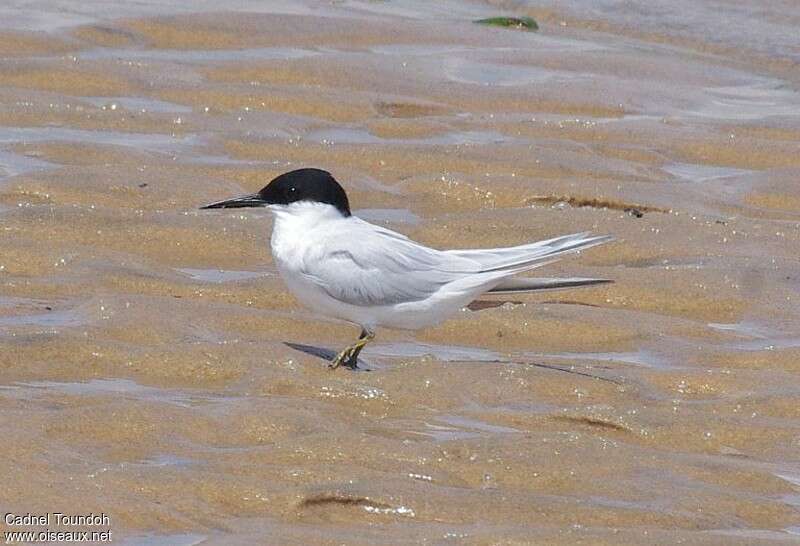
(349, 355)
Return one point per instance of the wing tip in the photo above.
(528, 284)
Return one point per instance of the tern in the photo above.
(344, 267)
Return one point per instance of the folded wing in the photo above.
(376, 266)
(370, 266)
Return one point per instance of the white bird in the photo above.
(341, 266)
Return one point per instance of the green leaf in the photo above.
(522, 23)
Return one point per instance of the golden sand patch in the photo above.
(75, 153)
(384, 162)
(524, 326)
(54, 359)
(577, 129)
(251, 30)
(90, 118)
(276, 73)
(186, 366)
(163, 34)
(739, 153)
(19, 260)
(774, 201)
(715, 436)
(288, 102)
(317, 73)
(260, 293)
(75, 82)
(436, 172)
(530, 105)
(18, 44)
(171, 245)
(680, 300)
(761, 132)
(405, 128)
(785, 359)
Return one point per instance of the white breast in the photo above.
(295, 233)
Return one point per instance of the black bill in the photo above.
(253, 200)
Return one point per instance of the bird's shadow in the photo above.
(325, 354)
(328, 355)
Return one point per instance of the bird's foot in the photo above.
(348, 358)
(349, 355)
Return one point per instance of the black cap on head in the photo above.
(313, 185)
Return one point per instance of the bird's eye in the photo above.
(292, 189)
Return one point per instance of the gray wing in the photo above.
(369, 266)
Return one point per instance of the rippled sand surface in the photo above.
(155, 369)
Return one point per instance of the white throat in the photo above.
(294, 223)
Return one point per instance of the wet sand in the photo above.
(155, 369)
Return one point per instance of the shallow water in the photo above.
(220, 275)
(155, 369)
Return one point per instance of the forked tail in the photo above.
(524, 257)
(497, 265)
